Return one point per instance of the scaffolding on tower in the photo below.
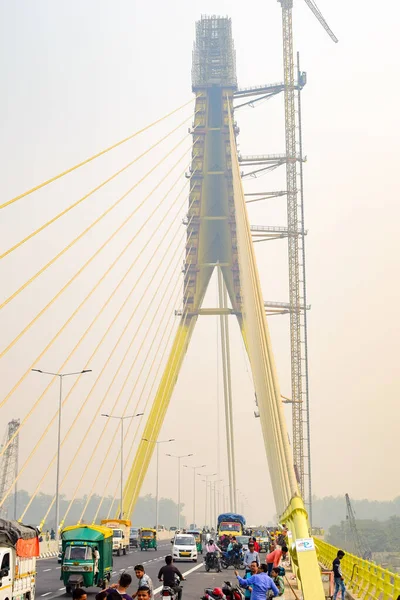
(9, 461)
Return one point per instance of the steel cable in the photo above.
(96, 189)
(86, 161)
(137, 354)
(80, 236)
(75, 312)
(91, 357)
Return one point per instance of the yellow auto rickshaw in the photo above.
(197, 536)
(148, 538)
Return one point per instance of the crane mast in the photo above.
(361, 547)
(296, 259)
(300, 429)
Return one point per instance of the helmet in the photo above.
(217, 592)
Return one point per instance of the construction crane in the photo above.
(361, 547)
(296, 260)
(9, 460)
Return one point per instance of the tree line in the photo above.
(143, 515)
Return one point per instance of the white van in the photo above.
(184, 547)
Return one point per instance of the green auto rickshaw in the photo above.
(197, 536)
(86, 558)
(148, 538)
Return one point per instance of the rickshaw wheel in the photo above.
(68, 589)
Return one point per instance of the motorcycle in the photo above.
(212, 561)
(234, 559)
(232, 592)
(168, 593)
(213, 594)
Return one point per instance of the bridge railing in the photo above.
(364, 579)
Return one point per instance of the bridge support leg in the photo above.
(157, 414)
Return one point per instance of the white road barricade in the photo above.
(48, 549)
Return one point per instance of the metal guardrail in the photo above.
(364, 579)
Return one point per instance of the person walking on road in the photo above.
(250, 556)
(260, 584)
(338, 576)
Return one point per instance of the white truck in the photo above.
(19, 549)
(121, 531)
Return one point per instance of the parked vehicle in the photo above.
(86, 556)
(232, 592)
(121, 534)
(134, 537)
(148, 538)
(184, 547)
(231, 524)
(19, 549)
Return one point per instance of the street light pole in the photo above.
(60, 377)
(206, 480)
(179, 482)
(215, 499)
(122, 419)
(157, 463)
(194, 488)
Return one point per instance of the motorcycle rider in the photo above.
(167, 575)
(212, 549)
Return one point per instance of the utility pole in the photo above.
(194, 488)
(179, 457)
(60, 377)
(157, 471)
(206, 502)
(122, 419)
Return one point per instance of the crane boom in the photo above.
(314, 9)
(360, 544)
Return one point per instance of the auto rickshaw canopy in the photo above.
(86, 533)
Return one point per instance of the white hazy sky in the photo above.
(78, 76)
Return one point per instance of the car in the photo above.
(134, 537)
(184, 547)
(244, 540)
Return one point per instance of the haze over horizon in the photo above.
(80, 76)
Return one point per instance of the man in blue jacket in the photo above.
(261, 584)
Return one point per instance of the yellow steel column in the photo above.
(157, 413)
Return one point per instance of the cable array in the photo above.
(155, 308)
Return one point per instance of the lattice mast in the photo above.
(9, 460)
(361, 547)
(294, 222)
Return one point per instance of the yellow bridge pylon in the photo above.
(218, 236)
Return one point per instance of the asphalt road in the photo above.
(50, 586)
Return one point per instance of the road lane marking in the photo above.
(46, 594)
(158, 590)
(61, 589)
(45, 570)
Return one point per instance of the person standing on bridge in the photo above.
(260, 584)
(143, 580)
(338, 576)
